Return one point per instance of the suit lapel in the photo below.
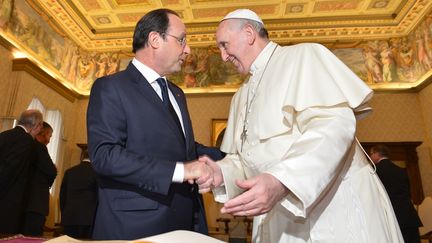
(152, 97)
(184, 113)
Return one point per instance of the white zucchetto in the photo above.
(243, 14)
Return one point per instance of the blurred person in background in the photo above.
(397, 185)
(41, 182)
(17, 165)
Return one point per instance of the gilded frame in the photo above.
(217, 128)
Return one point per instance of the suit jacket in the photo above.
(396, 183)
(78, 195)
(16, 159)
(134, 144)
(42, 181)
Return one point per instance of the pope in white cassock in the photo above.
(292, 159)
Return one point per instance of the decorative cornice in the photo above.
(287, 30)
(26, 65)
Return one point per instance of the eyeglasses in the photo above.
(181, 40)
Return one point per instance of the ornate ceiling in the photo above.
(108, 24)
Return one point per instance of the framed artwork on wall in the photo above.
(217, 131)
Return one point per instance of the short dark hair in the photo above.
(381, 149)
(45, 127)
(156, 20)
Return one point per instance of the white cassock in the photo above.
(301, 124)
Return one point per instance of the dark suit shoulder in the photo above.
(45, 165)
(16, 133)
(117, 81)
(83, 167)
(386, 166)
(113, 78)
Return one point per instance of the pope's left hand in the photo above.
(262, 193)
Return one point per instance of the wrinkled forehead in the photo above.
(224, 31)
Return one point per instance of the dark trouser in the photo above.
(11, 217)
(78, 231)
(33, 224)
(411, 235)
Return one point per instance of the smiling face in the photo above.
(173, 49)
(233, 40)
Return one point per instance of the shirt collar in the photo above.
(262, 58)
(23, 127)
(148, 73)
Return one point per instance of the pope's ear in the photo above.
(154, 39)
(250, 33)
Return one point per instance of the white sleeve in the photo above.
(316, 158)
(232, 169)
(178, 175)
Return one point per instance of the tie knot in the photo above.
(161, 82)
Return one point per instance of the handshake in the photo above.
(260, 193)
(205, 172)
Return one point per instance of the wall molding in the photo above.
(26, 65)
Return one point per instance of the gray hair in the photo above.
(257, 26)
(30, 118)
(381, 149)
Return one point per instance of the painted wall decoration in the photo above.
(78, 67)
(395, 60)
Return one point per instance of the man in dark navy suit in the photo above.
(396, 183)
(141, 142)
(78, 199)
(17, 159)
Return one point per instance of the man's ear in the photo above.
(154, 39)
(250, 33)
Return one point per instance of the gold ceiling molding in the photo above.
(107, 25)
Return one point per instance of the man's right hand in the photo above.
(196, 170)
(207, 185)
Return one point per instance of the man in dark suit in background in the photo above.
(141, 142)
(396, 183)
(78, 199)
(41, 182)
(17, 155)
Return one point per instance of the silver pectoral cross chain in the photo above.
(243, 135)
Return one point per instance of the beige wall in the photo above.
(8, 83)
(402, 117)
(425, 153)
(395, 117)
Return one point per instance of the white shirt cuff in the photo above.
(178, 175)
